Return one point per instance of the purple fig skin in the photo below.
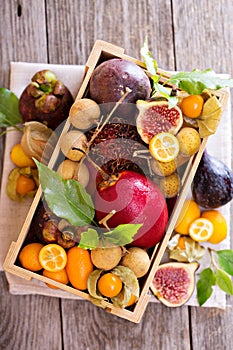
(46, 100)
(213, 183)
(111, 78)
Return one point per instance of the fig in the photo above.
(212, 185)
(173, 283)
(136, 200)
(111, 79)
(155, 117)
(46, 100)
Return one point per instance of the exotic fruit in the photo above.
(173, 283)
(213, 183)
(136, 200)
(112, 78)
(155, 117)
(46, 100)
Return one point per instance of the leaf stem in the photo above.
(106, 218)
(213, 262)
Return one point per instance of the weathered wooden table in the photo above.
(183, 34)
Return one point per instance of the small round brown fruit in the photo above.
(84, 113)
(137, 260)
(189, 141)
(170, 185)
(74, 145)
(106, 258)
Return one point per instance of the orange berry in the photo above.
(53, 257)
(189, 212)
(201, 230)
(25, 184)
(109, 285)
(164, 147)
(132, 300)
(29, 256)
(181, 243)
(219, 223)
(78, 267)
(59, 276)
(192, 105)
(19, 158)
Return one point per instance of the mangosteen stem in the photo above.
(106, 218)
(99, 129)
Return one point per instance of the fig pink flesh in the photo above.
(172, 283)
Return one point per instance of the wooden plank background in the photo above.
(183, 34)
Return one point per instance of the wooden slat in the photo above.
(203, 33)
(122, 23)
(28, 322)
(203, 38)
(161, 328)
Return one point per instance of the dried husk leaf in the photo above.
(38, 140)
(210, 117)
(129, 279)
(123, 298)
(12, 182)
(92, 284)
(193, 250)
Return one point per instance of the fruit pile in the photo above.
(106, 203)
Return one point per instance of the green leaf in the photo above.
(9, 109)
(67, 199)
(172, 100)
(121, 235)
(89, 239)
(152, 66)
(205, 285)
(196, 81)
(150, 62)
(225, 260)
(224, 281)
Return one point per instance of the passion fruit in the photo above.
(155, 117)
(111, 78)
(173, 283)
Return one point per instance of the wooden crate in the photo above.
(103, 51)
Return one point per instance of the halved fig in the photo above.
(174, 282)
(155, 117)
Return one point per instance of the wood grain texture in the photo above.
(123, 23)
(203, 35)
(100, 330)
(28, 322)
(183, 34)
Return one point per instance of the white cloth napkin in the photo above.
(13, 214)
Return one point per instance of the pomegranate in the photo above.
(155, 117)
(136, 200)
